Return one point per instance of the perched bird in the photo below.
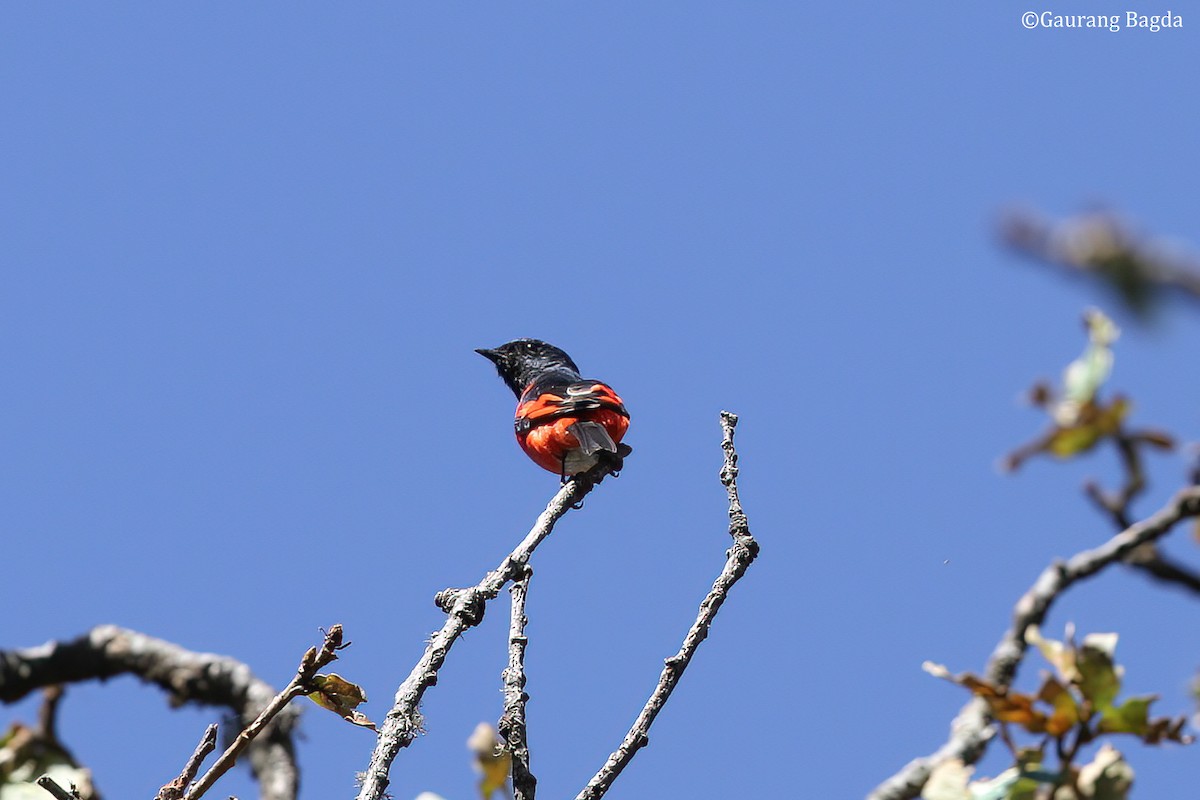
(566, 423)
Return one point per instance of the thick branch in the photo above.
(971, 729)
(512, 722)
(203, 678)
(464, 609)
(738, 559)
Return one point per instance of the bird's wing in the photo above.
(542, 403)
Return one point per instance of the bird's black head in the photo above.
(522, 361)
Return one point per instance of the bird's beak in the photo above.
(490, 355)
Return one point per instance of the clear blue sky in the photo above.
(249, 251)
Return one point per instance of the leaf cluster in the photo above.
(1076, 704)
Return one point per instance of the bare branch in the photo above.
(512, 722)
(204, 678)
(1116, 504)
(1162, 569)
(312, 661)
(464, 609)
(971, 729)
(1146, 558)
(738, 559)
(48, 714)
(48, 783)
(176, 788)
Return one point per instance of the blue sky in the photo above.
(249, 252)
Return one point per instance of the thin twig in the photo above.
(48, 713)
(1116, 504)
(971, 729)
(738, 558)
(1147, 558)
(312, 661)
(1165, 570)
(512, 722)
(186, 676)
(464, 609)
(47, 783)
(178, 787)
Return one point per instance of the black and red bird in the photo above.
(566, 423)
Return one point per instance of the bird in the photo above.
(565, 423)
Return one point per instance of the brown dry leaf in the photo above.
(1066, 712)
(340, 696)
(1004, 704)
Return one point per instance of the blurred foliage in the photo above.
(492, 759)
(28, 753)
(1075, 705)
(1138, 270)
(1080, 419)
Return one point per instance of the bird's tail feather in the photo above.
(592, 437)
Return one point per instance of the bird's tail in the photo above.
(592, 437)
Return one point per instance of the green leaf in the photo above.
(1132, 716)
(1099, 677)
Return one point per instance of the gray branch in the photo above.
(464, 609)
(971, 729)
(512, 722)
(738, 559)
(204, 678)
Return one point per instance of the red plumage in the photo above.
(565, 423)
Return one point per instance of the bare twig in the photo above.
(1116, 505)
(48, 783)
(512, 722)
(48, 713)
(1165, 570)
(464, 609)
(176, 788)
(204, 678)
(312, 661)
(738, 559)
(971, 729)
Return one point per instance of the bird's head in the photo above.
(522, 361)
